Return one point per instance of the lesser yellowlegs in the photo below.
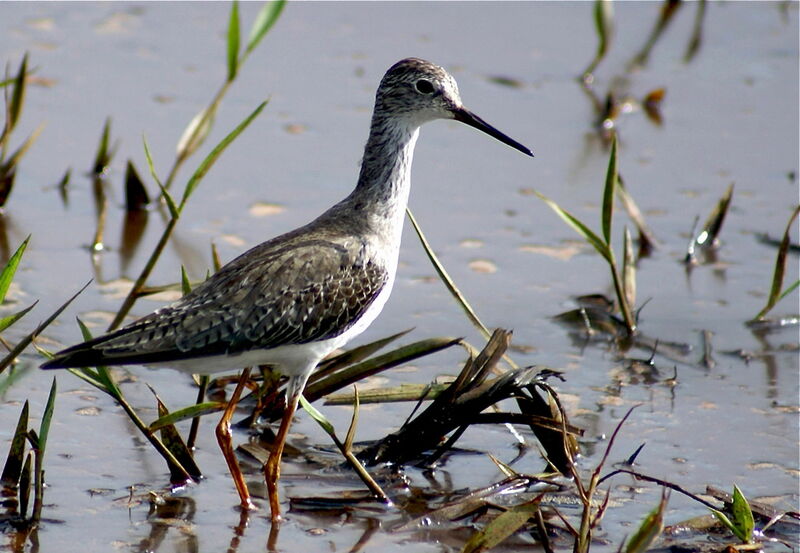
(294, 299)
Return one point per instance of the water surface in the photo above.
(729, 116)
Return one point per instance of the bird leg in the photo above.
(272, 468)
(223, 432)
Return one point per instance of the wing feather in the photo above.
(281, 292)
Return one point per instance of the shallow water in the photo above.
(729, 116)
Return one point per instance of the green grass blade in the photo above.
(319, 417)
(789, 290)
(775, 294)
(609, 190)
(713, 225)
(212, 157)
(14, 158)
(17, 94)
(723, 518)
(150, 165)
(7, 380)
(7, 275)
(186, 413)
(65, 178)
(596, 242)
(47, 417)
(445, 278)
(101, 374)
(186, 286)
(697, 32)
(6, 322)
(233, 41)
(604, 24)
(25, 342)
(742, 515)
(351, 459)
(103, 157)
(90, 377)
(265, 19)
(173, 209)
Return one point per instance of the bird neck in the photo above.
(385, 179)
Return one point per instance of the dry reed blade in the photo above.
(647, 239)
(326, 425)
(403, 392)
(16, 453)
(172, 440)
(713, 225)
(502, 527)
(628, 269)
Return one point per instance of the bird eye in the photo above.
(424, 86)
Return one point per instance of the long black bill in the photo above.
(466, 116)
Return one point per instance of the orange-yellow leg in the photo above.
(223, 432)
(272, 469)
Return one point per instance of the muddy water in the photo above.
(729, 116)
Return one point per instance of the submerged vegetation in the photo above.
(521, 506)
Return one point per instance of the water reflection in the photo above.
(101, 211)
(170, 513)
(133, 226)
(5, 253)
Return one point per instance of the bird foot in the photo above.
(248, 506)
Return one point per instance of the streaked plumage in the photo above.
(291, 290)
(292, 300)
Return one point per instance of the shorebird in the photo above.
(292, 300)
